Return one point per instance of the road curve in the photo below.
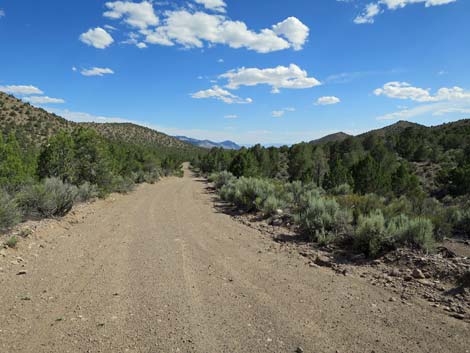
(161, 270)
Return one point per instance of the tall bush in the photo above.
(10, 215)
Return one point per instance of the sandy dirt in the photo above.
(162, 270)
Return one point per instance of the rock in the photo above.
(458, 316)
(464, 281)
(395, 273)
(277, 222)
(299, 350)
(324, 261)
(417, 273)
(376, 262)
(392, 299)
(279, 212)
(22, 272)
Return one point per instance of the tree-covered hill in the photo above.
(34, 126)
(336, 137)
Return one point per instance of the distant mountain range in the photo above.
(228, 145)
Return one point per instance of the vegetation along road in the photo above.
(162, 270)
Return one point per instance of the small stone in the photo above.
(323, 261)
(392, 299)
(299, 350)
(417, 273)
(22, 272)
(458, 316)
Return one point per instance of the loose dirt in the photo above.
(164, 270)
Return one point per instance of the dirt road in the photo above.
(161, 270)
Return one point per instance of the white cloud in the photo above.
(2, 13)
(97, 38)
(195, 29)
(292, 77)
(139, 15)
(452, 110)
(214, 5)
(43, 100)
(396, 4)
(97, 71)
(278, 113)
(294, 30)
(192, 30)
(368, 14)
(21, 89)
(219, 93)
(373, 9)
(231, 116)
(445, 101)
(403, 90)
(327, 100)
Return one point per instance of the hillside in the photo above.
(35, 126)
(337, 137)
(228, 145)
(393, 129)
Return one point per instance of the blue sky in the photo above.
(249, 71)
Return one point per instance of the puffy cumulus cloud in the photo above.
(139, 15)
(231, 116)
(214, 5)
(327, 100)
(221, 94)
(44, 100)
(195, 29)
(97, 71)
(294, 30)
(97, 37)
(373, 9)
(403, 90)
(291, 77)
(21, 89)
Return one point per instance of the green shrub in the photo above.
(271, 205)
(10, 215)
(86, 192)
(50, 198)
(221, 179)
(371, 237)
(12, 242)
(343, 189)
(374, 235)
(320, 217)
(122, 185)
(248, 194)
(420, 234)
